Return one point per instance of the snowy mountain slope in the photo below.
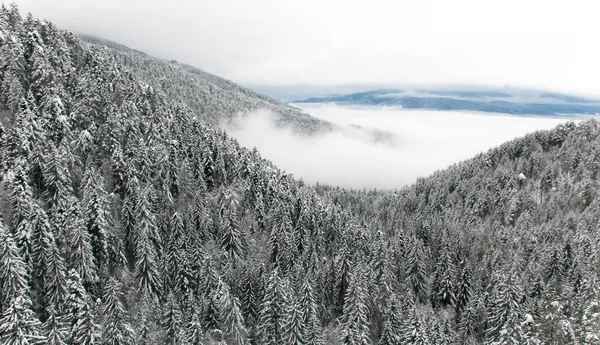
(211, 97)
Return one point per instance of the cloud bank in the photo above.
(422, 142)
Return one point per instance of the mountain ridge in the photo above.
(211, 97)
(126, 219)
(523, 102)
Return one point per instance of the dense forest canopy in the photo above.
(208, 96)
(128, 218)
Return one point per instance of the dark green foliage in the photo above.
(117, 329)
(355, 325)
(272, 310)
(172, 322)
(55, 328)
(79, 313)
(19, 324)
(127, 219)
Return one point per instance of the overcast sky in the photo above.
(519, 43)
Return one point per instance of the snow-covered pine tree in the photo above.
(272, 310)
(313, 332)
(392, 330)
(172, 322)
(231, 315)
(230, 234)
(355, 324)
(294, 327)
(79, 313)
(55, 327)
(116, 327)
(417, 275)
(96, 213)
(18, 322)
(444, 281)
(146, 236)
(80, 254)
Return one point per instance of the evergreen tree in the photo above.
(231, 315)
(21, 198)
(55, 328)
(232, 241)
(57, 175)
(343, 278)
(249, 298)
(294, 327)
(18, 322)
(117, 329)
(280, 241)
(416, 331)
(172, 322)
(177, 275)
(416, 271)
(355, 325)
(145, 327)
(445, 279)
(49, 269)
(313, 333)
(19, 325)
(96, 213)
(272, 310)
(463, 289)
(194, 331)
(146, 235)
(13, 273)
(392, 331)
(81, 257)
(506, 316)
(210, 301)
(79, 313)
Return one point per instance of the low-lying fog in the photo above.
(418, 142)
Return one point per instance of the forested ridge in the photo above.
(127, 219)
(208, 96)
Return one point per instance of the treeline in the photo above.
(208, 96)
(506, 243)
(126, 219)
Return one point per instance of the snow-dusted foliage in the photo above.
(128, 218)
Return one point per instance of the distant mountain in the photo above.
(128, 220)
(516, 102)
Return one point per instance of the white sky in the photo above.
(519, 43)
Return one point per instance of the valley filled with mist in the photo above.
(148, 201)
(379, 147)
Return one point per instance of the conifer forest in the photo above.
(128, 217)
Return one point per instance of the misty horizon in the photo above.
(317, 43)
(147, 201)
(422, 142)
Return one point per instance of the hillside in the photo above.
(208, 96)
(128, 219)
(121, 207)
(507, 242)
(515, 102)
